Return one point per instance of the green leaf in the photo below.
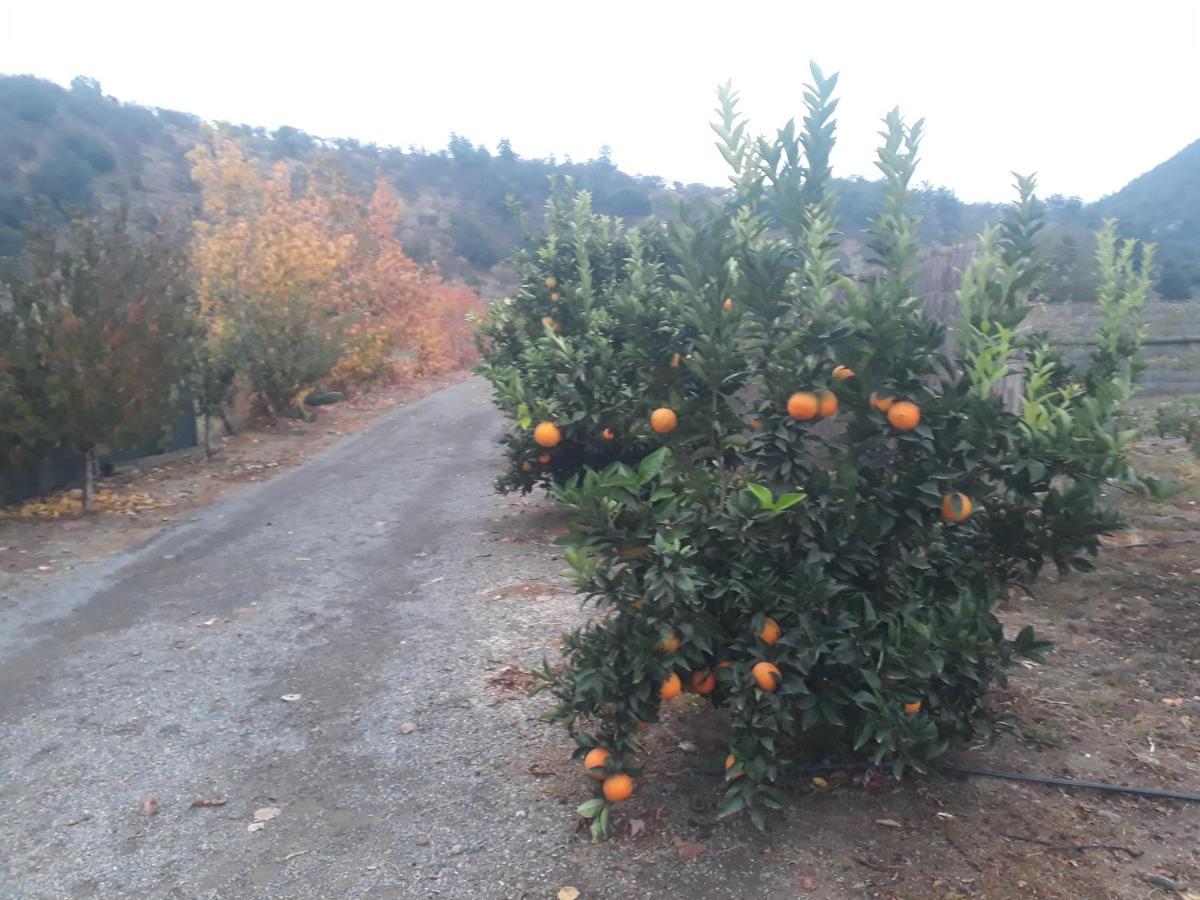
(591, 808)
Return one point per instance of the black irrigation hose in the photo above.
(985, 773)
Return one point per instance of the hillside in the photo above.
(61, 148)
(1163, 206)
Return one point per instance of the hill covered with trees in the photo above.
(64, 148)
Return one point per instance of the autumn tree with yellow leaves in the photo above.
(302, 281)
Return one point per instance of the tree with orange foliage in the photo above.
(402, 308)
(272, 271)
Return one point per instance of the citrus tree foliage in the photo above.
(93, 331)
(788, 489)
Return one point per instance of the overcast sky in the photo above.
(1088, 94)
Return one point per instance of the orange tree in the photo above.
(837, 496)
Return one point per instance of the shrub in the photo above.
(839, 498)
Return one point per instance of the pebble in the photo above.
(456, 849)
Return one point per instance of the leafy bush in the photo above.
(836, 497)
(1181, 419)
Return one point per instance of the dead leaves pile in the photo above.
(66, 504)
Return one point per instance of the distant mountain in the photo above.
(1163, 206)
(76, 147)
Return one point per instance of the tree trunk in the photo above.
(89, 482)
(207, 437)
(225, 421)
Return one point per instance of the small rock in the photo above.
(456, 849)
(408, 728)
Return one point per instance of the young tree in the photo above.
(94, 342)
(788, 489)
(271, 268)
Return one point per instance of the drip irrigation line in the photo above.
(986, 773)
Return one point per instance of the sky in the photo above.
(1087, 94)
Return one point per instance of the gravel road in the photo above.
(358, 587)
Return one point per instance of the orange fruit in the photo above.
(552, 282)
(704, 682)
(881, 402)
(596, 758)
(672, 687)
(728, 304)
(767, 676)
(544, 459)
(904, 415)
(912, 708)
(770, 632)
(547, 435)
(841, 373)
(554, 298)
(670, 643)
(617, 788)
(803, 406)
(829, 403)
(526, 467)
(607, 434)
(756, 424)
(675, 361)
(730, 762)
(956, 507)
(663, 420)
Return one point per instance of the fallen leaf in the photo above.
(688, 850)
(1172, 701)
(568, 893)
(150, 806)
(890, 823)
(819, 782)
(687, 746)
(946, 815)
(636, 827)
(408, 728)
(210, 622)
(266, 813)
(291, 698)
(256, 826)
(808, 883)
(209, 802)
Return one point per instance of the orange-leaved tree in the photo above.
(272, 270)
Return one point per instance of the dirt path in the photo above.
(273, 653)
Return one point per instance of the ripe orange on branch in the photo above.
(803, 406)
(663, 420)
(552, 282)
(672, 687)
(770, 632)
(618, 788)
(829, 403)
(881, 402)
(767, 676)
(607, 434)
(704, 682)
(904, 416)
(670, 643)
(547, 435)
(596, 758)
(841, 373)
(956, 507)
